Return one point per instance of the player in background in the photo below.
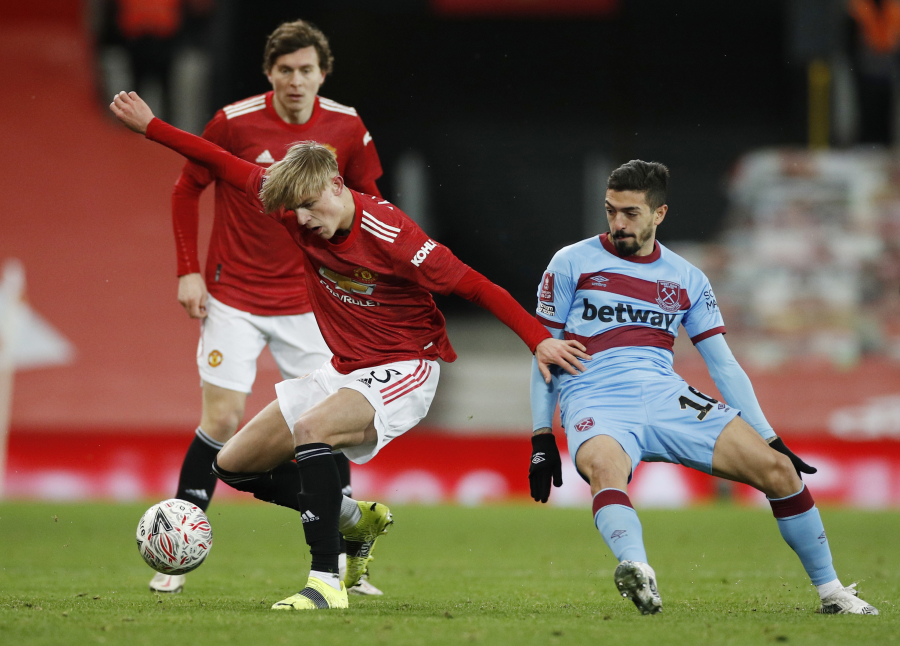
(254, 293)
(623, 296)
(370, 271)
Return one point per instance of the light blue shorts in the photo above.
(660, 420)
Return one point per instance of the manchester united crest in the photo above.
(668, 295)
(214, 359)
(365, 275)
(584, 424)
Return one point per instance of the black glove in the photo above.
(545, 465)
(799, 465)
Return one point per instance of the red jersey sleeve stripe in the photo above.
(549, 323)
(705, 335)
(625, 336)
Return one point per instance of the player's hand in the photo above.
(192, 295)
(799, 465)
(545, 465)
(565, 354)
(132, 111)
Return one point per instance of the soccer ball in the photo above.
(174, 536)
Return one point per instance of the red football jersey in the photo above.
(252, 264)
(370, 289)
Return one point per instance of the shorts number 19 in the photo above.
(701, 410)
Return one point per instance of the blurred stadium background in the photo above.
(497, 122)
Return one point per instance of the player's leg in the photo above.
(740, 454)
(226, 360)
(365, 410)
(298, 348)
(607, 466)
(222, 412)
(230, 343)
(343, 418)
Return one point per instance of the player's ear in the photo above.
(660, 214)
(338, 184)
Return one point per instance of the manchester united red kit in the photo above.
(252, 265)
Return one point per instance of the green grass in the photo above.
(518, 574)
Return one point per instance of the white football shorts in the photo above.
(400, 393)
(231, 341)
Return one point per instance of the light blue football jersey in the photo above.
(625, 310)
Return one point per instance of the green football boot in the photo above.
(376, 518)
(317, 595)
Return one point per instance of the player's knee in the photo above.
(604, 473)
(221, 422)
(306, 432)
(226, 461)
(781, 477)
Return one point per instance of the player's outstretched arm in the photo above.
(131, 110)
(565, 354)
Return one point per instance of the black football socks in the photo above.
(320, 504)
(197, 481)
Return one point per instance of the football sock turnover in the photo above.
(618, 523)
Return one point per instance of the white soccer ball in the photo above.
(174, 536)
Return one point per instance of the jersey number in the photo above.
(387, 375)
(701, 410)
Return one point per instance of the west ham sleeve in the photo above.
(703, 319)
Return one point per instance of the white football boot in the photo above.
(637, 581)
(846, 601)
(173, 583)
(364, 588)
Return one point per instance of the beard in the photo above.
(626, 245)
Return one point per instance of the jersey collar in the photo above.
(293, 127)
(610, 247)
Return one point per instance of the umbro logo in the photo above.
(599, 281)
(308, 517)
(822, 539)
(619, 533)
(538, 458)
(265, 157)
(198, 493)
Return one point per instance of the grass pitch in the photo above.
(519, 574)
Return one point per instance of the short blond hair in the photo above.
(306, 170)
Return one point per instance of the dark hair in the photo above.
(288, 37)
(649, 178)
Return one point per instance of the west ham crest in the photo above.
(668, 295)
(585, 424)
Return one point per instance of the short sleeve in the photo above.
(703, 319)
(555, 294)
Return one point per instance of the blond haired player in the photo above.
(254, 294)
